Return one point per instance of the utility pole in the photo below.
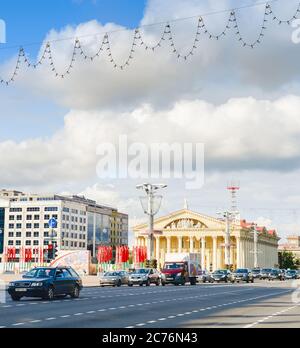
(255, 251)
(151, 204)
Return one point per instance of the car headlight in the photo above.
(178, 275)
(11, 284)
(36, 284)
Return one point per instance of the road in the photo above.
(262, 304)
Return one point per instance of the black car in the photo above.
(221, 275)
(47, 283)
(291, 274)
(242, 274)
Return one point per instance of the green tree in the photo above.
(287, 260)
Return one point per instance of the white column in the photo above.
(191, 244)
(179, 241)
(168, 244)
(203, 265)
(215, 242)
(238, 253)
(157, 253)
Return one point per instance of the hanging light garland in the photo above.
(166, 36)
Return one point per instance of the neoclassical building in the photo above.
(188, 231)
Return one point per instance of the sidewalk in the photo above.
(88, 281)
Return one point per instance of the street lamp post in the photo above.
(151, 211)
(228, 217)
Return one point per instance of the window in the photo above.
(28, 242)
(36, 234)
(51, 209)
(10, 234)
(10, 242)
(66, 273)
(36, 217)
(33, 209)
(15, 210)
(35, 242)
(47, 217)
(11, 218)
(11, 226)
(36, 226)
(46, 225)
(18, 242)
(55, 217)
(29, 217)
(18, 234)
(28, 225)
(46, 234)
(66, 210)
(28, 234)
(18, 226)
(46, 242)
(19, 217)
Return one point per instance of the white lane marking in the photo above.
(50, 319)
(65, 316)
(35, 321)
(269, 317)
(18, 324)
(224, 304)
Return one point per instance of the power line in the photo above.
(206, 14)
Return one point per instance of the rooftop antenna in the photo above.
(233, 187)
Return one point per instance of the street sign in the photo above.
(52, 223)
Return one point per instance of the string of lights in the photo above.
(167, 35)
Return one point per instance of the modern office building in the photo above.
(81, 223)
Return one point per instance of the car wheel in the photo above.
(15, 298)
(119, 283)
(158, 283)
(50, 294)
(148, 283)
(76, 292)
(163, 284)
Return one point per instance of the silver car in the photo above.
(113, 279)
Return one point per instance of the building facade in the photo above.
(188, 231)
(81, 223)
(292, 245)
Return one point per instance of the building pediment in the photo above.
(184, 219)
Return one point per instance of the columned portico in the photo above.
(188, 232)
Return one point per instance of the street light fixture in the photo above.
(151, 205)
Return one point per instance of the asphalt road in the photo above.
(263, 304)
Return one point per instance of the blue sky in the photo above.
(28, 22)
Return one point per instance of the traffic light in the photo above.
(50, 252)
(55, 252)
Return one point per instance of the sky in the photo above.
(241, 103)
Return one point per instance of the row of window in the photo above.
(74, 227)
(31, 217)
(73, 244)
(32, 209)
(74, 219)
(72, 235)
(74, 211)
(28, 226)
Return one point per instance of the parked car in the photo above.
(256, 272)
(117, 278)
(221, 275)
(291, 274)
(47, 283)
(144, 276)
(205, 277)
(242, 275)
(298, 274)
(276, 274)
(264, 274)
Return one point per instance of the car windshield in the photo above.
(111, 274)
(266, 270)
(256, 270)
(141, 271)
(40, 273)
(174, 265)
(219, 272)
(291, 272)
(241, 271)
